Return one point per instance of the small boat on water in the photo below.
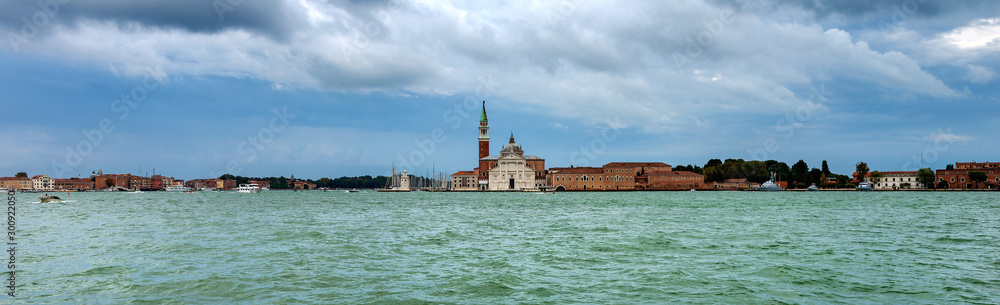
(865, 186)
(812, 188)
(251, 188)
(47, 198)
(352, 191)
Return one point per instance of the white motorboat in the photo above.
(251, 188)
(47, 198)
(812, 188)
(865, 186)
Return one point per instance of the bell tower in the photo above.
(484, 134)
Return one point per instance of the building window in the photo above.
(952, 179)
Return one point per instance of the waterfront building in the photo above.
(215, 184)
(42, 183)
(160, 182)
(137, 183)
(899, 180)
(464, 181)
(303, 185)
(197, 184)
(958, 178)
(16, 183)
(736, 184)
(625, 176)
(511, 170)
(227, 184)
(73, 184)
(117, 181)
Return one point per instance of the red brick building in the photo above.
(303, 185)
(263, 184)
(958, 178)
(625, 176)
(122, 181)
(73, 184)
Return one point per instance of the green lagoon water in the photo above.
(284, 247)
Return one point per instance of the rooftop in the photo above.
(636, 164)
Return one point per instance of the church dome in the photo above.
(511, 148)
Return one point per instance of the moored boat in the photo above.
(812, 188)
(770, 186)
(865, 186)
(251, 188)
(177, 188)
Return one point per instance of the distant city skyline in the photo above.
(196, 89)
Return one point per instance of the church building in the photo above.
(510, 171)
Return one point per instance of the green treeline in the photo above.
(278, 183)
(799, 175)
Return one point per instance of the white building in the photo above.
(512, 171)
(899, 180)
(43, 183)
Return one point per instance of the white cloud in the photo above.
(981, 34)
(595, 61)
(948, 137)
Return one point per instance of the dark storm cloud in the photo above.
(920, 8)
(272, 18)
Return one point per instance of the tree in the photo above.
(977, 177)
(21, 175)
(949, 167)
(876, 177)
(109, 182)
(862, 169)
(816, 176)
(781, 170)
(713, 162)
(713, 174)
(826, 169)
(689, 168)
(755, 171)
(925, 176)
(800, 172)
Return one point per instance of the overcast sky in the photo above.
(196, 88)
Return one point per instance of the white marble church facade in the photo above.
(512, 172)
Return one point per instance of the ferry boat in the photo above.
(177, 188)
(251, 188)
(769, 186)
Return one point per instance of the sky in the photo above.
(314, 88)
